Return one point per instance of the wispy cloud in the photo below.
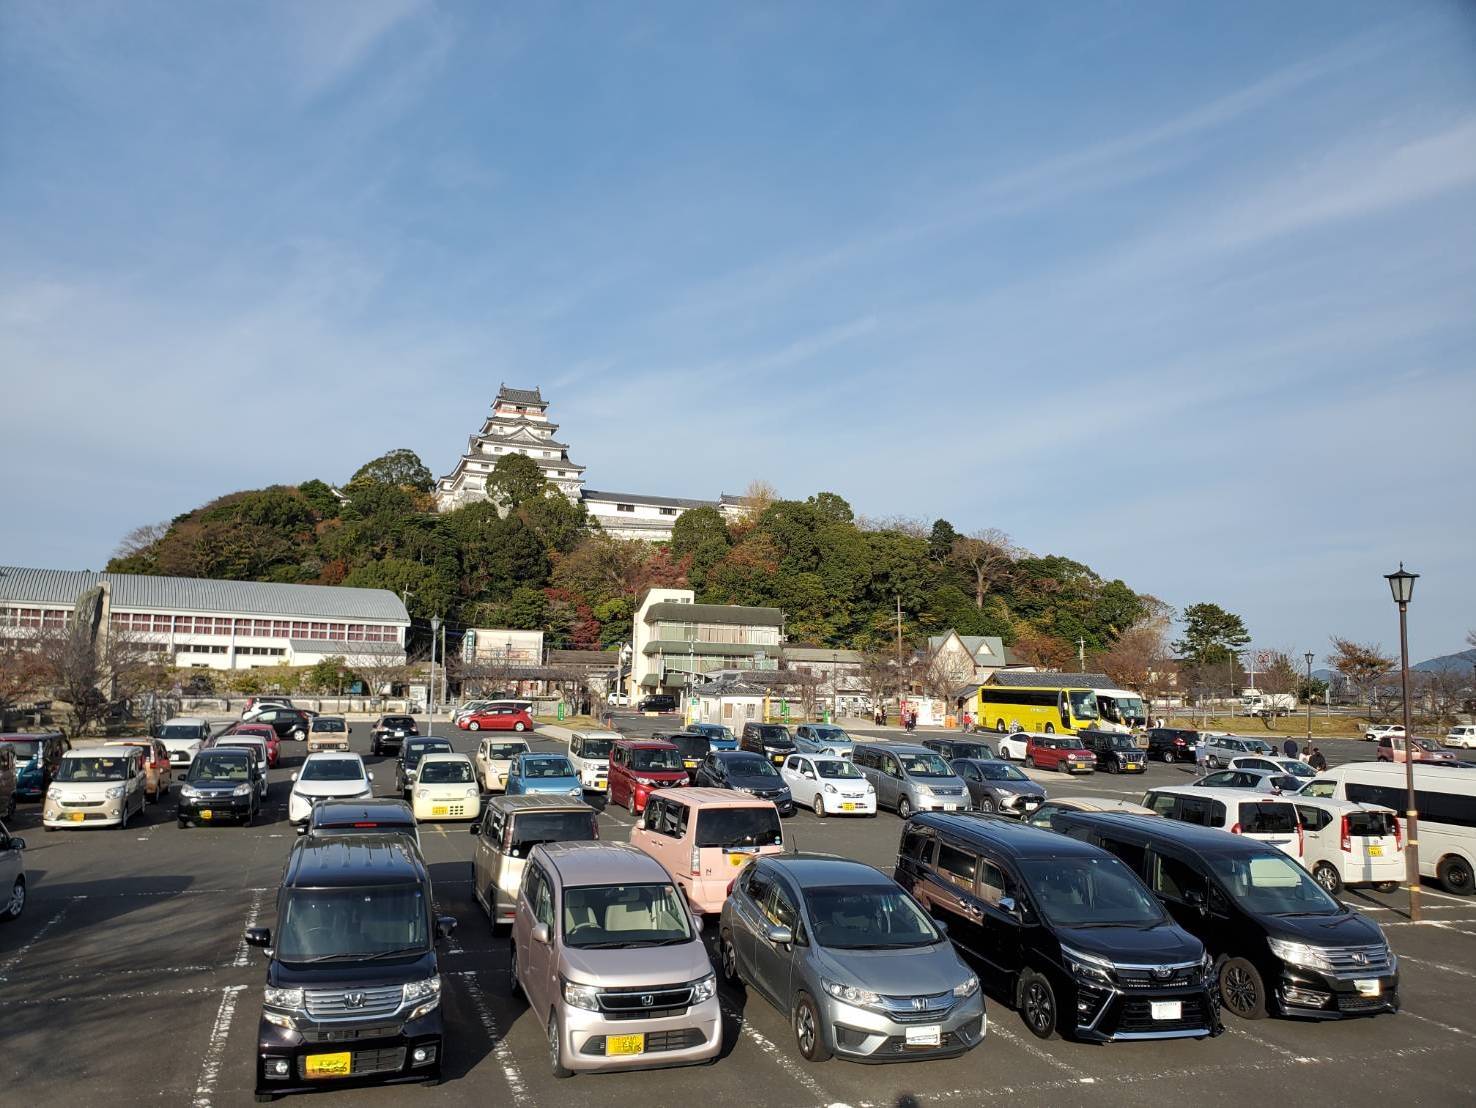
(332, 38)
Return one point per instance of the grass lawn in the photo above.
(1294, 726)
(578, 723)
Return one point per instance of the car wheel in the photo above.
(1327, 876)
(1113, 766)
(513, 987)
(808, 1035)
(299, 735)
(17, 902)
(988, 805)
(728, 960)
(123, 818)
(1037, 1005)
(473, 726)
(904, 808)
(630, 802)
(555, 1049)
(183, 823)
(1211, 761)
(819, 805)
(1031, 762)
(1241, 989)
(1050, 729)
(1454, 875)
(520, 726)
(1386, 886)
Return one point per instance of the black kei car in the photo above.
(353, 989)
(410, 754)
(692, 746)
(1060, 930)
(1172, 744)
(333, 818)
(223, 785)
(772, 740)
(390, 732)
(1116, 752)
(748, 773)
(1279, 942)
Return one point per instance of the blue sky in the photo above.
(1184, 291)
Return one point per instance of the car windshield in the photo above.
(531, 828)
(253, 747)
(1123, 742)
(456, 772)
(24, 751)
(775, 736)
(321, 724)
(756, 826)
(1087, 892)
(624, 916)
(718, 731)
(830, 734)
(415, 751)
(837, 769)
(1272, 885)
(548, 766)
(98, 768)
(999, 771)
(399, 721)
(344, 924)
(596, 748)
(751, 767)
(1424, 744)
(180, 731)
(924, 765)
(219, 767)
(661, 758)
(505, 751)
(1259, 746)
(1083, 703)
(868, 919)
(332, 769)
(970, 750)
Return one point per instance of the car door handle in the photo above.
(971, 910)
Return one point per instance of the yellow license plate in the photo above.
(624, 1045)
(737, 859)
(847, 806)
(328, 1065)
(1375, 852)
(600, 784)
(439, 809)
(206, 813)
(690, 763)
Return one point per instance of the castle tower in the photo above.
(518, 424)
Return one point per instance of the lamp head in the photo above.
(1401, 584)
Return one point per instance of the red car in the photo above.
(498, 717)
(1060, 752)
(263, 731)
(638, 767)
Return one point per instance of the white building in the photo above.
(502, 646)
(204, 624)
(673, 637)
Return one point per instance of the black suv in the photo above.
(390, 732)
(693, 748)
(332, 818)
(1172, 744)
(1279, 942)
(658, 702)
(1060, 930)
(772, 740)
(353, 989)
(223, 783)
(1116, 752)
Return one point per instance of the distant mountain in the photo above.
(1460, 662)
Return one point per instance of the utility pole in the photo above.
(1081, 655)
(899, 635)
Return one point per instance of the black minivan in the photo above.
(1280, 943)
(772, 740)
(1062, 931)
(353, 990)
(1116, 752)
(692, 746)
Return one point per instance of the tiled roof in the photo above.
(641, 498)
(728, 688)
(136, 592)
(1053, 680)
(519, 396)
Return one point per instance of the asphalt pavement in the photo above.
(127, 982)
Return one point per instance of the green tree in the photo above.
(560, 523)
(432, 589)
(831, 508)
(1211, 634)
(525, 610)
(700, 535)
(941, 540)
(515, 479)
(320, 498)
(330, 675)
(401, 468)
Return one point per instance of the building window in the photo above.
(625, 507)
(668, 511)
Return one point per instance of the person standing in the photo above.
(1289, 748)
(1201, 745)
(1315, 759)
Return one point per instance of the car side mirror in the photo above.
(474, 829)
(941, 925)
(696, 923)
(1007, 904)
(779, 935)
(294, 775)
(371, 775)
(258, 936)
(1195, 899)
(541, 933)
(445, 925)
(17, 843)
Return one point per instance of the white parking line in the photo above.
(1441, 966)
(996, 1031)
(500, 1048)
(25, 948)
(243, 951)
(767, 1046)
(1289, 1055)
(1443, 1026)
(210, 1068)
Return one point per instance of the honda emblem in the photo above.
(353, 1000)
(647, 999)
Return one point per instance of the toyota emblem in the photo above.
(647, 999)
(1163, 973)
(353, 1000)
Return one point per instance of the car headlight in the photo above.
(582, 996)
(967, 988)
(241, 790)
(115, 793)
(422, 794)
(189, 792)
(289, 999)
(575, 793)
(426, 989)
(705, 989)
(1300, 954)
(851, 994)
(830, 788)
(471, 793)
(1089, 966)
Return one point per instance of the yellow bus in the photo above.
(1039, 709)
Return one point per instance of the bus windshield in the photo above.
(1083, 703)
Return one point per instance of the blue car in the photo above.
(823, 738)
(547, 774)
(718, 736)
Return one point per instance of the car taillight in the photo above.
(1235, 830)
(1398, 836)
(1301, 841)
(1343, 831)
(366, 825)
(696, 861)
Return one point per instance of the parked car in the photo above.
(256, 704)
(617, 700)
(510, 827)
(411, 751)
(1172, 744)
(389, 732)
(748, 773)
(954, 749)
(353, 986)
(1462, 735)
(1375, 731)
(288, 723)
(1350, 844)
(1043, 815)
(546, 774)
(719, 737)
(1278, 941)
(692, 745)
(331, 819)
(96, 786)
(823, 738)
(253, 743)
(1115, 751)
(1287, 767)
(182, 736)
(1013, 745)
(1391, 749)
(222, 784)
(1259, 780)
(703, 836)
(325, 775)
(909, 778)
(1266, 818)
(996, 786)
(267, 734)
(589, 753)
(7, 785)
(1220, 750)
(851, 960)
(658, 702)
(605, 945)
(638, 767)
(12, 875)
(37, 756)
(1059, 752)
(772, 740)
(497, 717)
(828, 785)
(328, 733)
(1063, 931)
(494, 759)
(446, 788)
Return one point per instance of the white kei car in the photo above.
(323, 775)
(446, 788)
(828, 785)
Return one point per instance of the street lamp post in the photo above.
(1309, 656)
(1401, 584)
(430, 690)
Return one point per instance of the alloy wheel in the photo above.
(819, 805)
(804, 1029)
(1039, 1008)
(1238, 990)
(728, 955)
(17, 902)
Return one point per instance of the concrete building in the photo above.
(501, 646)
(674, 637)
(728, 702)
(196, 623)
(633, 516)
(519, 424)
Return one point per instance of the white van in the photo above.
(1445, 798)
(589, 753)
(1462, 734)
(1120, 710)
(1270, 819)
(1350, 844)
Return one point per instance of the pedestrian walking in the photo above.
(1315, 759)
(1289, 748)
(1201, 751)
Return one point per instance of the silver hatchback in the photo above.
(852, 959)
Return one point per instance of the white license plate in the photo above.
(1367, 988)
(931, 1035)
(1167, 1009)
(948, 807)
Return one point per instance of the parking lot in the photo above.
(127, 981)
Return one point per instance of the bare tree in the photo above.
(906, 525)
(1279, 679)
(1361, 665)
(945, 674)
(140, 539)
(22, 674)
(1140, 658)
(1035, 648)
(800, 684)
(987, 555)
(93, 676)
(380, 672)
